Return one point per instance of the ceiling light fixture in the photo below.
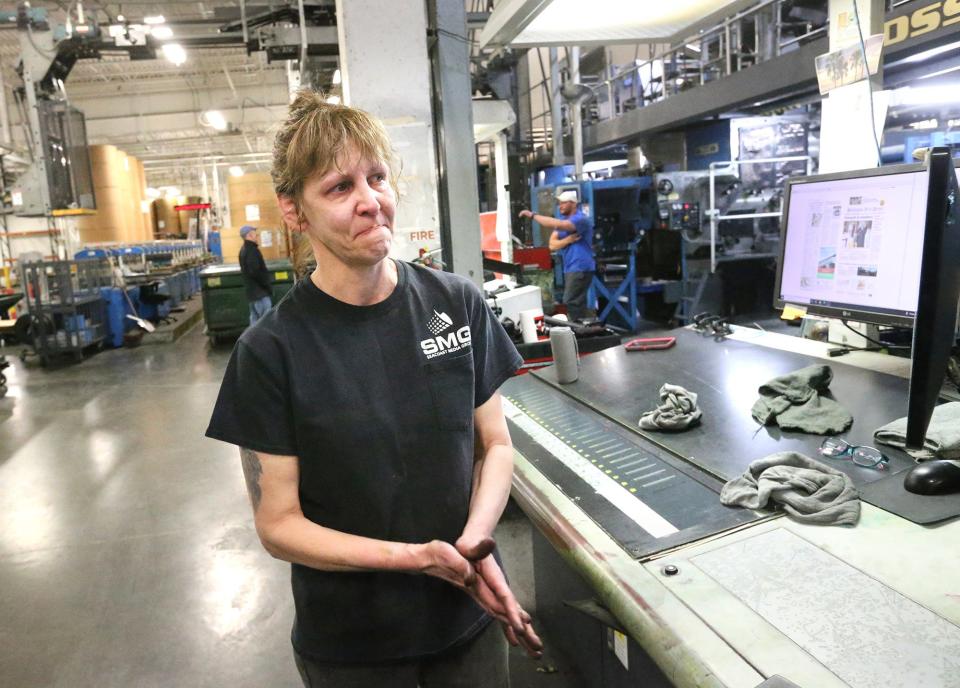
(337, 78)
(926, 54)
(235, 171)
(162, 33)
(925, 124)
(333, 100)
(599, 22)
(155, 19)
(175, 53)
(215, 119)
(924, 95)
(941, 72)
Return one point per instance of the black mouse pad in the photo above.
(889, 495)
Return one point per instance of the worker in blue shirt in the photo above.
(572, 236)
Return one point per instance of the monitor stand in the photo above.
(843, 336)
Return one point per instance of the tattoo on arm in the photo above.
(252, 470)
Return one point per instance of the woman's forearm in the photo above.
(296, 539)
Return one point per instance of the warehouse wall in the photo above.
(252, 202)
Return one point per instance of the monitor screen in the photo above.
(852, 244)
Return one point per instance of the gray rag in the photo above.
(943, 434)
(808, 490)
(794, 402)
(677, 410)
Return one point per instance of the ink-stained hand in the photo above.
(445, 562)
(492, 592)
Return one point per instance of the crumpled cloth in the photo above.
(943, 434)
(794, 402)
(808, 490)
(677, 410)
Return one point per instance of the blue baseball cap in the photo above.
(246, 229)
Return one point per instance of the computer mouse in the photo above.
(933, 478)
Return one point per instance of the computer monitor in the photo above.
(934, 330)
(851, 244)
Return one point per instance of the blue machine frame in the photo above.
(628, 309)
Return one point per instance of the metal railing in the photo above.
(750, 37)
(713, 213)
(707, 56)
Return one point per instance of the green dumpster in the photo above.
(225, 307)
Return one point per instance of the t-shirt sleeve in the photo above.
(584, 229)
(495, 358)
(253, 407)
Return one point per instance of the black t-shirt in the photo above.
(377, 403)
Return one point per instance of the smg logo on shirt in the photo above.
(444, 340)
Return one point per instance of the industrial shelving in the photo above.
(66, 305)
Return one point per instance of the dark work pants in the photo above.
(575, 286)
(481, 663)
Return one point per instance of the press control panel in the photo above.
(680, 215)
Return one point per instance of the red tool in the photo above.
(650, 344)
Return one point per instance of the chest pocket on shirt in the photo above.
(451, 388)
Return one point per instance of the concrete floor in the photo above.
(127, 550)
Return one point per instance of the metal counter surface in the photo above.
(720, 620)
(726, 374)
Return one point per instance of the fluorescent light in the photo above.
(939, 73)
(951, 123)
(235, 171)
(175, 53)
(155, 19)
(920, 57)
(333, 100)
(162, 33)
(336, 77)
(152, 192)
(169, 191)
(925, 95)
(925, 124)
(215, 119)
(602, 165)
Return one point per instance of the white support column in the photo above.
(385, 71)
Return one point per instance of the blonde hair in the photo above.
(310, 141)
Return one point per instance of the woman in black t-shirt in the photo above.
(372, 436)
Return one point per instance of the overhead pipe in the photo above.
(303, 44)
(4, 115)
(556, 103)
(577, 119)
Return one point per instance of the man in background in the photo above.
(256, 277)
(572, 237)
